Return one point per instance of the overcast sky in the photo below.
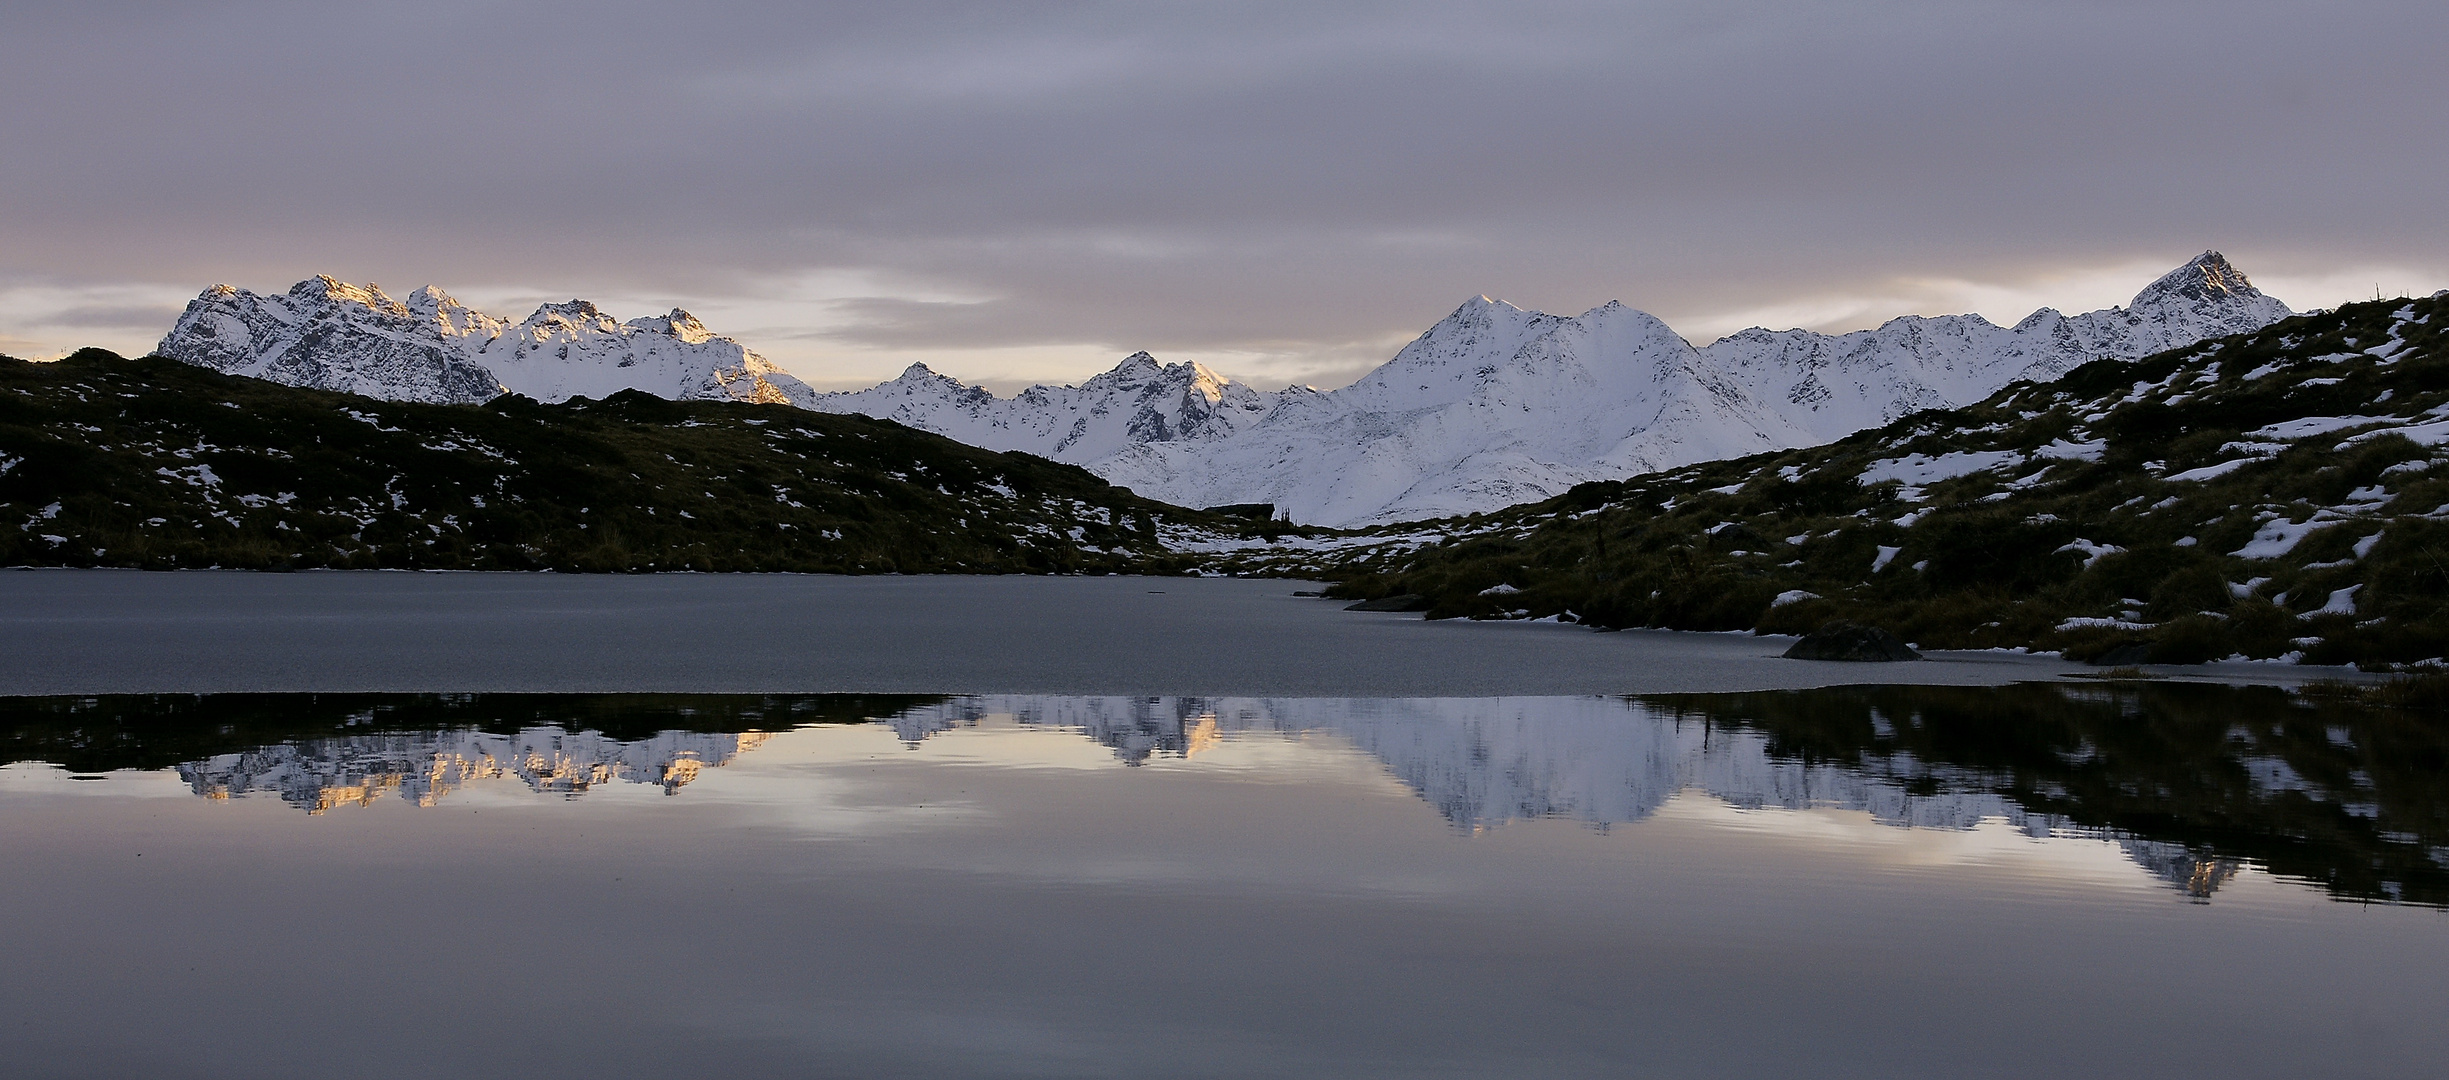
(1014, 191)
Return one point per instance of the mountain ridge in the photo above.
(1138, 400)
(1494, 405)
(327, 334)
(1497, 405)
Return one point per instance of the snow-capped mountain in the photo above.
(1447, 428)
(331, 335)
(1497, 405)
(1835, 386)
(1138, 402)
(1493, 406)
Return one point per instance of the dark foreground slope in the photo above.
(106, 461)
(2271, 494)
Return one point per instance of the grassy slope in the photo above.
(106, 461)
(2006, 556)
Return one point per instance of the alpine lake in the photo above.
(275, 825)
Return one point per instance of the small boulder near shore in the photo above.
(1851, 641)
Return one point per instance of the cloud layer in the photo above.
(1288, 189)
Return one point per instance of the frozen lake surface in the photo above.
(112, 631)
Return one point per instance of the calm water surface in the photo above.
(2026, 881)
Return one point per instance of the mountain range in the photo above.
(1493, 406)
(329, 335)
(1496, 405)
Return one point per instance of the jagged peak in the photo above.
(1484, 305)
(1142, 370)
(454, 318)
(679, 324)
(1464, 324)
(1618, 312)
(331, 289)
(428, 300)
(2208, 276)
(920, 380)
(1137, 367)
(574, 310)
(318, 285)
(2039, 316)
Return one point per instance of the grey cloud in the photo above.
(887, 322)
(1249, 176)
(114, 317)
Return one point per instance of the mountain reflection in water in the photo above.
(2192, 782)
(422, 767)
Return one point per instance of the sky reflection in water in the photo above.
(1864, 881)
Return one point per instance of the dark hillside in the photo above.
(106, 461)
